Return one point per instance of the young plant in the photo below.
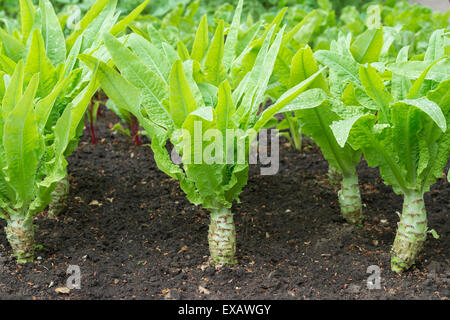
(326, 102)
(408, 138)
(343, 60)
(316, 110)
(127, 117)
(42, 44)
(291, 129)
(209, 123)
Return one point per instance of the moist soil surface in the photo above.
(134, 235)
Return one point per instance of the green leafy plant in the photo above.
(295, 62)
(32, 160)
(45, 92)
(326, 102)
(316, 110)
(408, 138)
(54, 56)
(198, 97)
(348, 101)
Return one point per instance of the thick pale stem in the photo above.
(59, 197)
(20, 234)
(350, 200)
(222, 237)
(411, 233)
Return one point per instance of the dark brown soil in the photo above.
(135, 236)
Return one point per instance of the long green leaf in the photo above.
(122, 24)
(27, 15)
(37, 62)
(92, 13)
(13, 92)
(374, 87)
(55, 43)
(214, 68)
(232, 37)
(153, 87)
(367, 47)
(14, 49)
(284, 100)
(201, 40)
(21, 144)
(181, 99)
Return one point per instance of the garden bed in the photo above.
(134, 235)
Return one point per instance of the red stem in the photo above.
(90, 125)
(135, 131)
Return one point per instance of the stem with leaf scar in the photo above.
(222, 237)
(350, 199)
(59, 197)
(20, 234)
(411, 232)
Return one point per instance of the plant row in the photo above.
(364, 93)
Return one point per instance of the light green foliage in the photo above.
(32, 160)
(408, 139)
(316, 110)
(385, 93)
(177, 104)
(44, 94)
(197, 96)
(424, 108)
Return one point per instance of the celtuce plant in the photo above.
(344, 102)
(42, 44)
(343, 60)
(408, 139)
(44, 92)
(351, 98)
(329, 103)
(318, 108)
(198, 97)
(32, 161)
